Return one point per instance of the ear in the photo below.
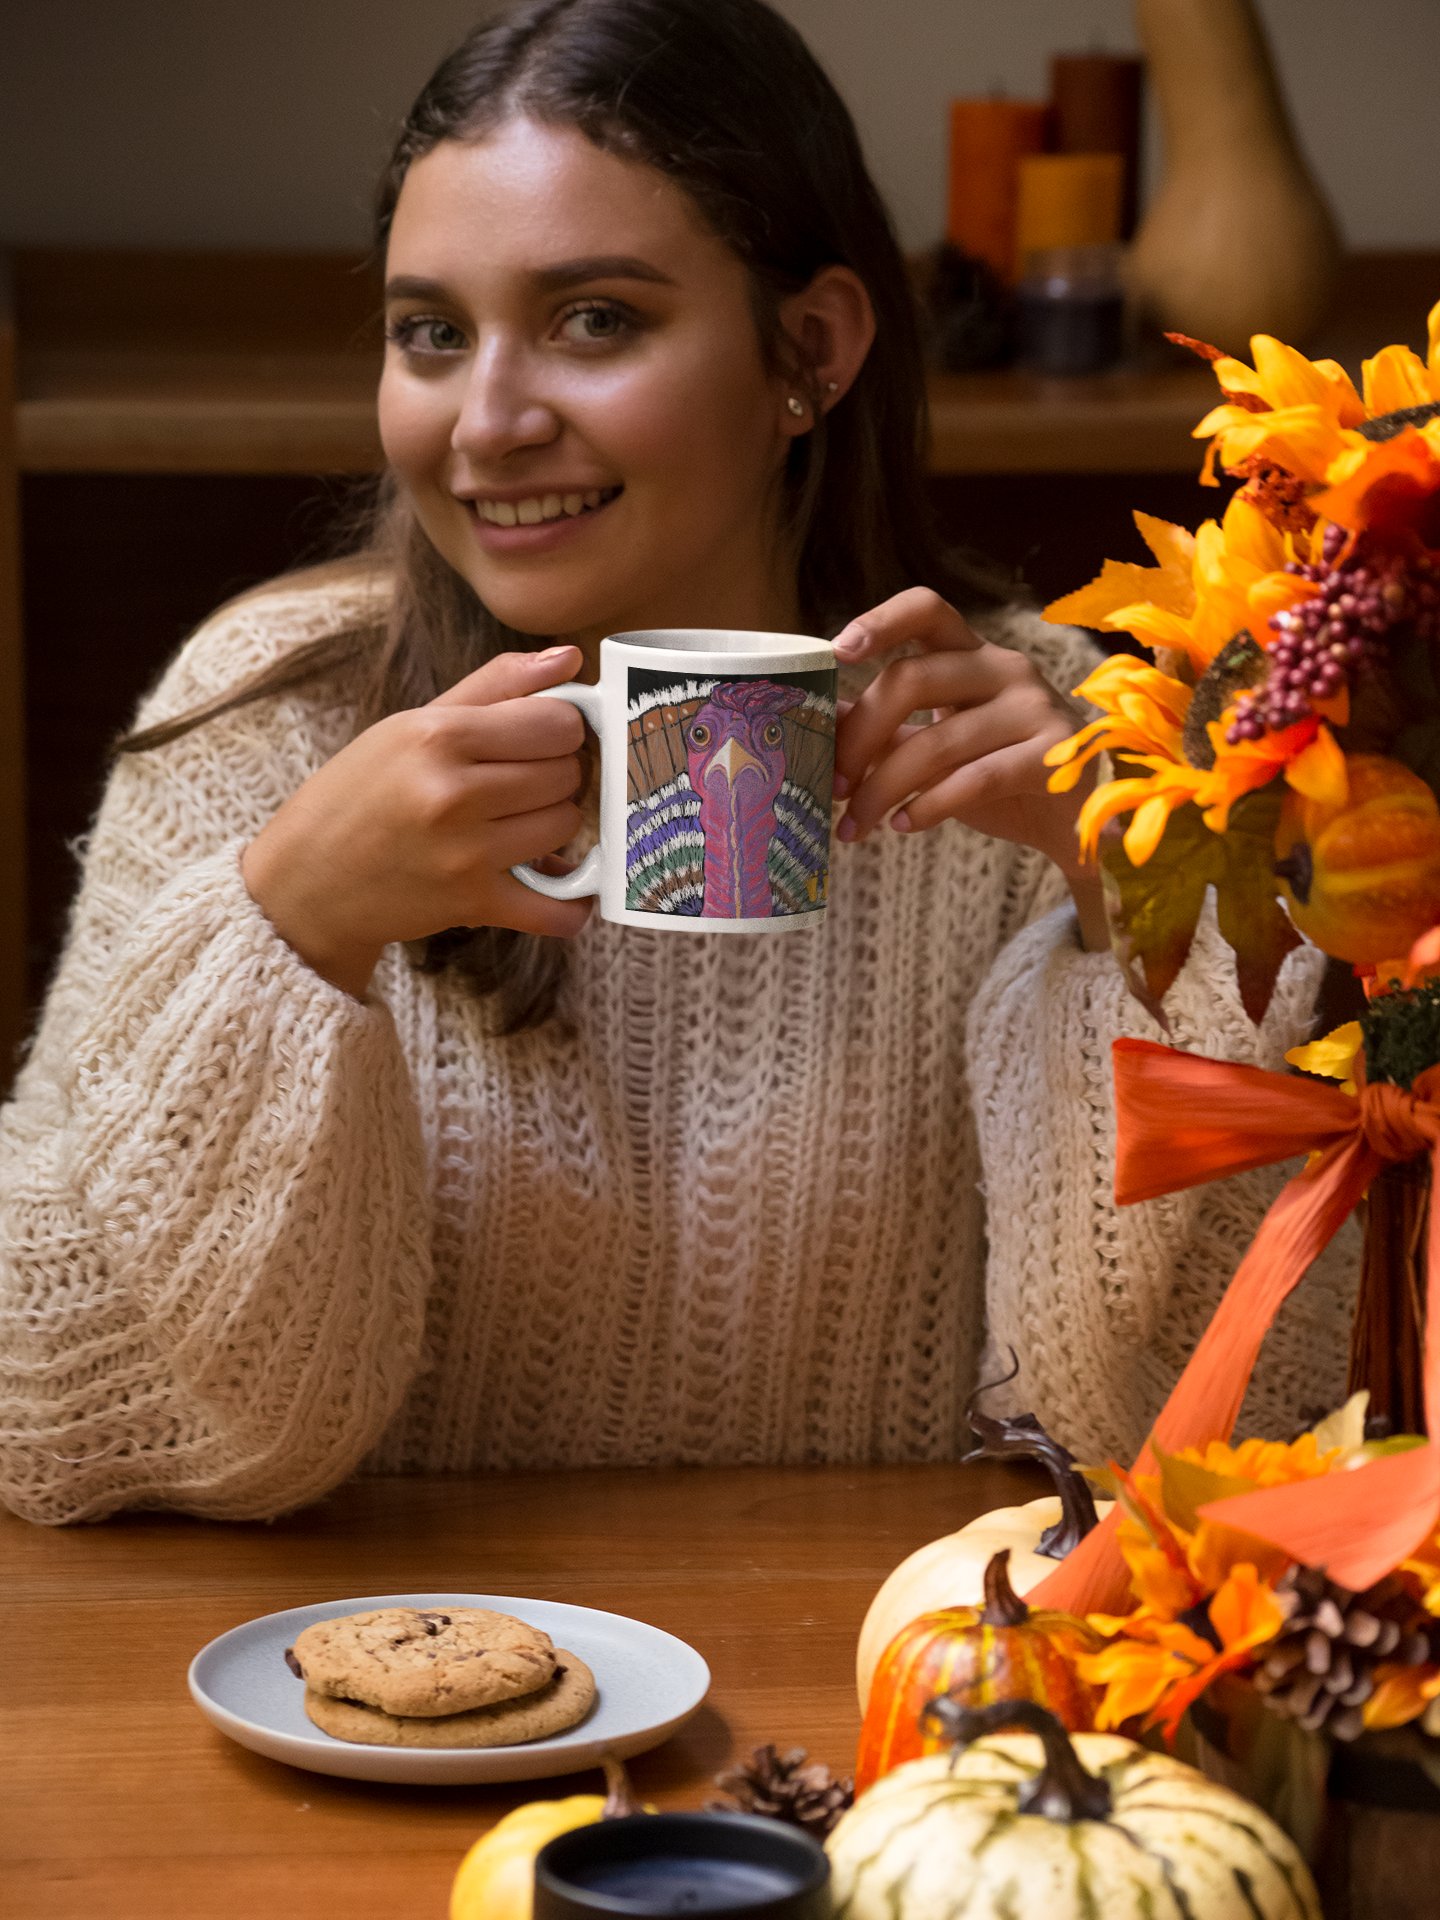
(831, 325)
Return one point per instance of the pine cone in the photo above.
(1320, 1669)
(784, 1789)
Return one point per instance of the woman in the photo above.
(284, 1197)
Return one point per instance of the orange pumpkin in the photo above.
(1363, 880)
(976, 1655)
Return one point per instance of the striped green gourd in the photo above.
(1017, 1828)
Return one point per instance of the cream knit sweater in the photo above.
(255, 1234)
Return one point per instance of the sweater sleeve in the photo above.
(213, 1251)
(1103, 1305)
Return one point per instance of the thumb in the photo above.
(509, 676)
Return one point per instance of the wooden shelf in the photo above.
(267, 363)
(196, 362)
(89, 410)
(1121, 422)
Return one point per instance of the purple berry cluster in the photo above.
(1323, 643)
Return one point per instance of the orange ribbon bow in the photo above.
(1182, 1120)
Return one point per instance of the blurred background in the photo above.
(187, 123)
(136, 135)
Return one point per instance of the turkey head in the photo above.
(735, 755)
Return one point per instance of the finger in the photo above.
(916, 617)
(513, 730)
(513, 904)
(931, 754)
(522, 837)
(496, 790)
(842, 782)
(944, 681)
(970, 789)
(510, 675)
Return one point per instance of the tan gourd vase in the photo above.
(1238, 239)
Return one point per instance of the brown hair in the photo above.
(723, 97)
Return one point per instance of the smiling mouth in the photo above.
(541, 507)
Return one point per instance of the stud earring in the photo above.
(834, 387)
(797, 407)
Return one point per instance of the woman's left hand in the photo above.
(981, 761)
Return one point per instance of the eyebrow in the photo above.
(564, 273)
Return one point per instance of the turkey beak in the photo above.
(732, 760)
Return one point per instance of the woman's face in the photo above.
(574, 392)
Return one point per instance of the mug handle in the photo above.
(586, 877)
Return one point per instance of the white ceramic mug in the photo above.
(717, 755)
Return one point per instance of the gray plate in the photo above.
(648, 1684)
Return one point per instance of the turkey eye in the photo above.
(771, 735)
(700, 735)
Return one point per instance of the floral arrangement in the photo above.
(1283, 748)
(1289, 728)
(1214, 1600)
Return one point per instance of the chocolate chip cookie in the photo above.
(562, 1703)
(422, 1664)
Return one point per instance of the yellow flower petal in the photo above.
(1145, 831)
(1334, 1056)
(1395, 378)
(1318, 771)
(1401, 1694)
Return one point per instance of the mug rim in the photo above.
(737, 640)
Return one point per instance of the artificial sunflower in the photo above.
(1305, 415)
(1228, 579)
(1368, 464)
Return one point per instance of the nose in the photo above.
(502, 410)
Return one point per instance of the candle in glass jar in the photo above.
(669, 1883)
(667, 1863)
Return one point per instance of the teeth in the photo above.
(530, 513)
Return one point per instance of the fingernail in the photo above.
(550, 656)
(900, 821)
(847, 829)
(850, 640)
(841, 786)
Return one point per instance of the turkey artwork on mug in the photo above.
(728, 794)
(717, 760)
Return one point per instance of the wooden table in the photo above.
(122, 1803)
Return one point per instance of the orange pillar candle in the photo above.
(1067, 200)
(987, 141)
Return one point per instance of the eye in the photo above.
(594, 324)
(424, 333)
(773, 734)
(700, 735)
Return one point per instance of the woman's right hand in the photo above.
(414, 826)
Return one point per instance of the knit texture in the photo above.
(726, 1208)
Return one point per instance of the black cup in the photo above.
(683, 1863)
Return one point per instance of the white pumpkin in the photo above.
(937, 1838)
(951, 1573)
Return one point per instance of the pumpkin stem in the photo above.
(620, 1801)
(1020, 1436)
(1063, 1789)
(1003, 1606)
